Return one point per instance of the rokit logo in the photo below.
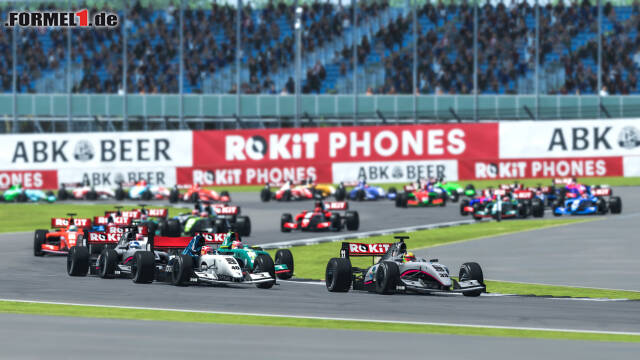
(279, 147)
(109, 151)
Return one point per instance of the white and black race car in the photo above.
(395, 273)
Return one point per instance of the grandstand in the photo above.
(420, 49)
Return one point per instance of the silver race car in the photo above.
(398, 271)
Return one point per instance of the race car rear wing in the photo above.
(226, 210)
(361, 249)
(103, 238)
(523, 194)
(601, 192)
(165, 243)
(133, 214)
(336, 205)
(116, 220)
(64, 222)
(563, 181)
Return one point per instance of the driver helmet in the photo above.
(134, 245)
(194, 212)
(407, 257)
(206, 250)
(73, 228)
(204, 214)
(584, 195)
(236, 244)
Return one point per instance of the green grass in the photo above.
(311, 261)
(27, 217)
(479, 184)
(105, 312)
(506, 287)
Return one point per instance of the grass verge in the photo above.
(27, 217)
(13, 307)
(311, 261)
(507, 287)
(479, 184)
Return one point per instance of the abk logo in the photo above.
(80, 19)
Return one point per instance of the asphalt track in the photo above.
(23, 276)
(603, 253)
(101, 338)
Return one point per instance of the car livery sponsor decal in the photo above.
(359, 249)
(336, 205)
(226, 210)
(101, 238)
(117, 220)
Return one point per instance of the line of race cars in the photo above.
(204, 246)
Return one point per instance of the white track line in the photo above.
(580, 331)
(574, 286)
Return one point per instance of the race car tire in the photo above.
(91, 195)
(463, 204)
(62, 194)
(615, 205)
(163, 228)
(22, 197)
(285, 257)
(78, 261)
(401, 200)
(286, 196)
(39, 237)
(265, 195)
(143, 267)
(444, 201)
(264, 263)
(523, 210)
(336, 222)
(146, 195)
(360, 195)
(352, 220)
(537, 208)
(387, 277)
(285, 218)
(454, 196)
(195, 197)
(226, 194)
(203, 225)
(243, 225)
(392, 190)
(107, 263)
(182, 270)
(173, 227)
(120, 194)
(151, 226)
(471, 271)
(338, 275)
(341, 193)
(174, 196)
(220, 226)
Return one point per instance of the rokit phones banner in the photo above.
(480, 169)
(96, 150)
(30, 179)
(275, 155)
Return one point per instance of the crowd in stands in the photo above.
(506, 45)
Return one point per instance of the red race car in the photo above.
(324, 217)
(195, 193)
(68, 232)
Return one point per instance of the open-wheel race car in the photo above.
(323, 217)
(195, 193)
(80, 191)
(362, 191)
(211, 217)
(18, 193)
(304, 190)
(67, 233)
(593, 200)
(421, 195)
(507, 204)
(399, 271)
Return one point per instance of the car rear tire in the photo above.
(264, 263)
(341, 193)
(463, 204)
(107, 263)
(401, 200)
(338, 275)
(286, 196)
(285, 218)
(182, 270)
(174, 196)
(265, 195)
(360, 195)
(62, 194)
(243, 225)
(78, 261)
(285, 257)
(387, 277)
(471, 271)
(173, 228)
(336, 222)
(454, 196)
(39, 238)
(615, 205)
(120, 194)
(352, 220)
(537, 208)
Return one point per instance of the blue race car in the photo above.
(591, 202)
(363, 191)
